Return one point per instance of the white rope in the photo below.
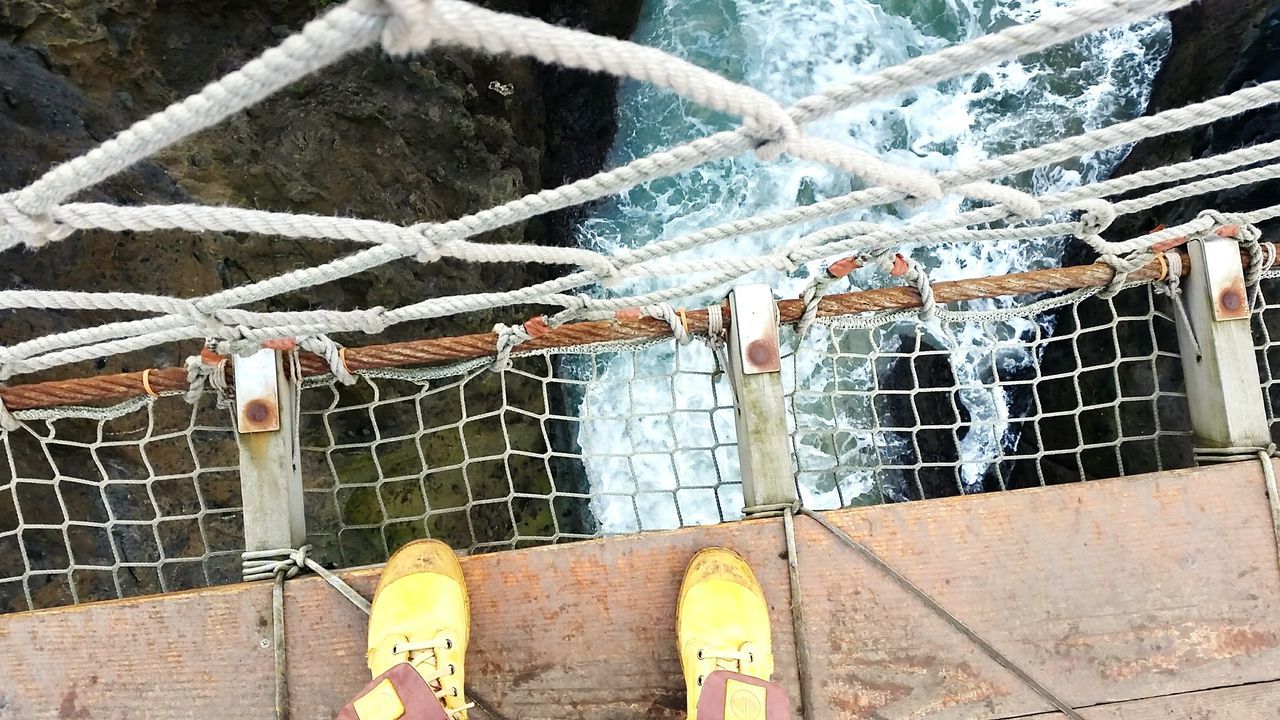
(35, 215)
(8, 422)
(673, 318)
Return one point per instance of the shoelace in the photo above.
(730, 660)
(413, 652)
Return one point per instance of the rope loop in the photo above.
(333, 354)
(672, 317)
(207, 368)
(8, 422)
(409, 27)
(812, 297)
(267, 564)
(917, 276)
(18, 227)
(509, 337)
(1096, 216)
(1121, 267)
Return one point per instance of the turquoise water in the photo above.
(791, 48)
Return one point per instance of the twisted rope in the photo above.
(37, 213)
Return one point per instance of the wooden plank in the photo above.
(1107, 591)
(1124, 589)
(760, 410)
(1260, 700)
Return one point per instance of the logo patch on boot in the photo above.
(732, 696)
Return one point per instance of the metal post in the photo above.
(267, 433)
(764, 445)
(1221, 369)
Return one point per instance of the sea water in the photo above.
(640, 419)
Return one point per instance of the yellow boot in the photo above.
(722, 621)
(421, 615)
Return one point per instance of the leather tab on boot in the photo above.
(399, 693)
(732, 696)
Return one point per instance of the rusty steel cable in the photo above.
(440, 351)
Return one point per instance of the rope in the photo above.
(1172, 287)
(280, 565)
(35, 213)
(798, 627)
(443, 356)
(8, 422)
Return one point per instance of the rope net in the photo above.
(524, 444)
(603, 439)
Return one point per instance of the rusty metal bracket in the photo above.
(1219, 363)
(1224, 277)
(755, 329)
(258, 392)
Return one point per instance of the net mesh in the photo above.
(598, 440)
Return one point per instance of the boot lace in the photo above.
(425, 655)
(730, 660)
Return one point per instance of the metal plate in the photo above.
(258, 391)
(1225, 278)
(755, 327)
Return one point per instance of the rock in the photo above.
(419, 139)
(1218, 46)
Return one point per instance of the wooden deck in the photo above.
(1141, 598)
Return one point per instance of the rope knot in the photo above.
(409, 27)
(773, 141)
(270, 564)
(1095, 218)
(676, 319)
(207, 367)
(421, 243)
(1121, 267)
(509, 337)
(18, 227)
(333, 353)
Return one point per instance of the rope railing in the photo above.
(39, 214)
(626, 327)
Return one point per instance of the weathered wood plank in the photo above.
(1261, 700)
(1108, 591)
(1104, 592)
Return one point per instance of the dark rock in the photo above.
(424, 138)
(922, 414)
(1218, 46)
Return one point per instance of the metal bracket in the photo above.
(1225, 279)
(258, 392)
(755, 328)
(1218, 358)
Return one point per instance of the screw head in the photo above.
(257, 411)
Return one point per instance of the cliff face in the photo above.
(409, 140)
(406, 141)
(1219, 46)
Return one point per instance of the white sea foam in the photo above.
(790, 48)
